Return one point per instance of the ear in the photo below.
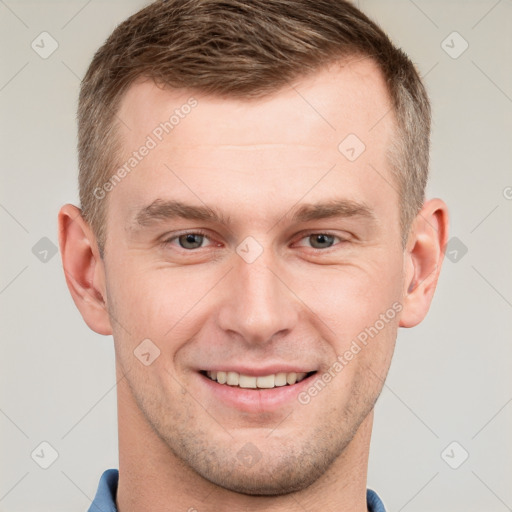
(423, 259)
(83, 268)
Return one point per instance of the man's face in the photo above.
(259, 291)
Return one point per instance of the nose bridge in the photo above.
(258, 305)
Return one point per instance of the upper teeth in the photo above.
(250, 381)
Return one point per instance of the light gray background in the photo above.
(451, 376)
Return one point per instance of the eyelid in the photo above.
(300, 237)
(168, 239)
(306, 234)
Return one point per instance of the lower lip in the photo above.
(256, 400)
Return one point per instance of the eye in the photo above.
(321, 240)
(188, 241)
(191, 240)
(194, 240)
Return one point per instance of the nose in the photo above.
(257, 304)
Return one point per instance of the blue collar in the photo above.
(105, 499)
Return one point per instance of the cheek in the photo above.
(161, 304)
(144, 296)
(349, 299)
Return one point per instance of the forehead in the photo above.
(346, 96)
(274, 146)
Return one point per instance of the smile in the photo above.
(257, 382)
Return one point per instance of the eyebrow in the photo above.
(162, 210)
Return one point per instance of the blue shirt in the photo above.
(104, 500)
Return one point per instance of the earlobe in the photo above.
(424, 257)
(83, 268)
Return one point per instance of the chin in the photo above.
(279, 481)
(281, 469)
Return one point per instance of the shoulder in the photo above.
(374, 503)
(105, 498)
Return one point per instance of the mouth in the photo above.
(254, 391)
(270, 381)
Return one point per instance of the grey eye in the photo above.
(191, 240)
(319, 240)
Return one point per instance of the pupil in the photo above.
(322, 239)
(190, 238)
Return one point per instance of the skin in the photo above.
(299, 303)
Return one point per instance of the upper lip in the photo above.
(259, 371)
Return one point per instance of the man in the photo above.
(252, 232)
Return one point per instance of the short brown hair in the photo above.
(243, 49)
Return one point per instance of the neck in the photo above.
(152, 478)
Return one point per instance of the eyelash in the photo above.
(168, 241)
